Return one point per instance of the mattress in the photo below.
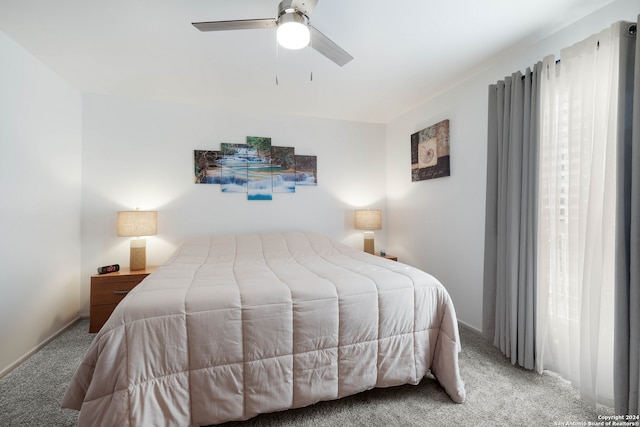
(232, 326)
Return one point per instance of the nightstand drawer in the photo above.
(111, 293)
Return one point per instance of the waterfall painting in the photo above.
(259, 168)
(430, 154)
(306, 170)
(234, 167)
(256, 168)
(284, 177)
(207, 170)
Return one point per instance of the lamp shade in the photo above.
(137, 223)
(368, 219)
(293, 32)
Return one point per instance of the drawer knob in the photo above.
(120, 292)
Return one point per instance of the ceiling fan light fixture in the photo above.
(293, 31)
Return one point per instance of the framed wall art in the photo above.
(306, 170)
(259, 168)
(430, 153)
(256, 168)
(284, 172)
(206, 166)
(233, 166)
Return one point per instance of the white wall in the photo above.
(40, 145)
(67, 159)
(140, 154)
(438, 225)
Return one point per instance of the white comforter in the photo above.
(234, 326)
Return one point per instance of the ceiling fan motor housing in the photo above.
(285, 7)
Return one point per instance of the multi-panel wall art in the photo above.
(430, 152)
(256, 168)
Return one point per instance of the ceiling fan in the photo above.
(293, 29)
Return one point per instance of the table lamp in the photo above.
(368, 220)
(137, 223)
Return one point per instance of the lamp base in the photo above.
(138, 255)
(368, 242)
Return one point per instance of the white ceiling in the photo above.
(405, 51)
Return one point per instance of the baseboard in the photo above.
(469, 326)
(37, 348)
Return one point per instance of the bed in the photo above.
(237, 325)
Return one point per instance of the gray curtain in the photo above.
(627, 290)
(510, 227)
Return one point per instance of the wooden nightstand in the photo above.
(387, 256)
(107, 290)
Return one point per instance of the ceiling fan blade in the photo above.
(328, 48)
(243, 24)
(304, 6)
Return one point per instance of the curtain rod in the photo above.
(632, 30)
